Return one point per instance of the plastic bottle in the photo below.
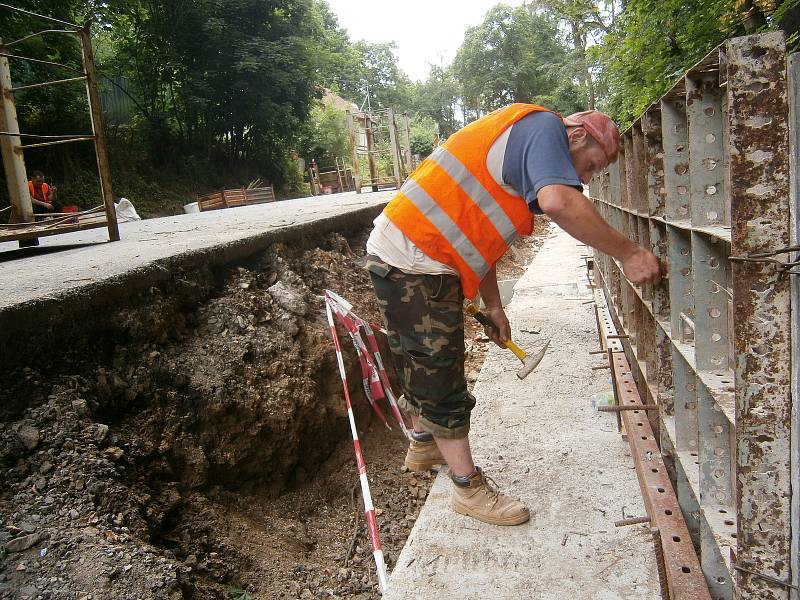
(602, 399)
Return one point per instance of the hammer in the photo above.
(529, 363)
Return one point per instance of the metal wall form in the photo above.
(703, 179)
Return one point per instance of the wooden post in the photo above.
(11, 146)
(406, 129)
(95, 111)
(352, 130)
(373, 168)
(394, 143)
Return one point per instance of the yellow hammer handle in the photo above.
(486, 322)
(516, 350)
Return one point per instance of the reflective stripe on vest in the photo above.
(446, 226)
(479, 195)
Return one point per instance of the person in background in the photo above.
(43, 196)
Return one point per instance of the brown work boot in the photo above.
(479, 498)
(423, 453)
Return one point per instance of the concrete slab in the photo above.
(72, 261)
(540, 440)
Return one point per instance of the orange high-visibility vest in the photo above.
(45, 190)
(452, 208)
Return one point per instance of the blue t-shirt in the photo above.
(537, 154)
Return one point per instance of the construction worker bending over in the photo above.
(438, 240)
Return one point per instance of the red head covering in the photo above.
(601, 128)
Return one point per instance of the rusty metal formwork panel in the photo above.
(759, 173)
(703, 181)
(794, 166)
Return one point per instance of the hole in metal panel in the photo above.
(709, 111)
(668, 512)
(686, 569)
(710, 138)
(714, 312)
(710, 191)
(676, 538)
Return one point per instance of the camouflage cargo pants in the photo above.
(425, 323)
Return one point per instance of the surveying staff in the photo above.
(439, 239)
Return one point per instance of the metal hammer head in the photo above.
(530, 362)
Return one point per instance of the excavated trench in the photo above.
(196, 444)
(193, 443)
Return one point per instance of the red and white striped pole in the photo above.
(369, 509)
(351, 322)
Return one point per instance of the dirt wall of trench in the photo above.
(213, 378)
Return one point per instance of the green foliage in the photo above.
(515, 55)
(386, 84)
(325, 135)
(238, 593)
(438, 98)
(424, 132)
(651, 43)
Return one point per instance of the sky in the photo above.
(426, 31)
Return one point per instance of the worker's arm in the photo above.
(46, 205)
(576, 215)
(490, 294)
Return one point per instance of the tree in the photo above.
(382, 80)
(583, 20)
(325, 135)
(438, 97)
(515, 55)
(423, 135)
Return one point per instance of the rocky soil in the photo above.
(199, 448)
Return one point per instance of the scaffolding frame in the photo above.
(23, 225)
(703, 180)
(374, 135)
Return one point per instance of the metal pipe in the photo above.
(54, 143)
(37, 60)
(38, 33)
(33, 14)
(47, 83)
(44, 137)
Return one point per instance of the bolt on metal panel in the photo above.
(759, 181)
(676, 160)
(709, 266)
(704, 113)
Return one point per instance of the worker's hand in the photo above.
(47, 205)
(641, 266)
(501, 332)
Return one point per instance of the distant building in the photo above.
(330, 98)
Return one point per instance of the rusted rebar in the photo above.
(631, 521)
